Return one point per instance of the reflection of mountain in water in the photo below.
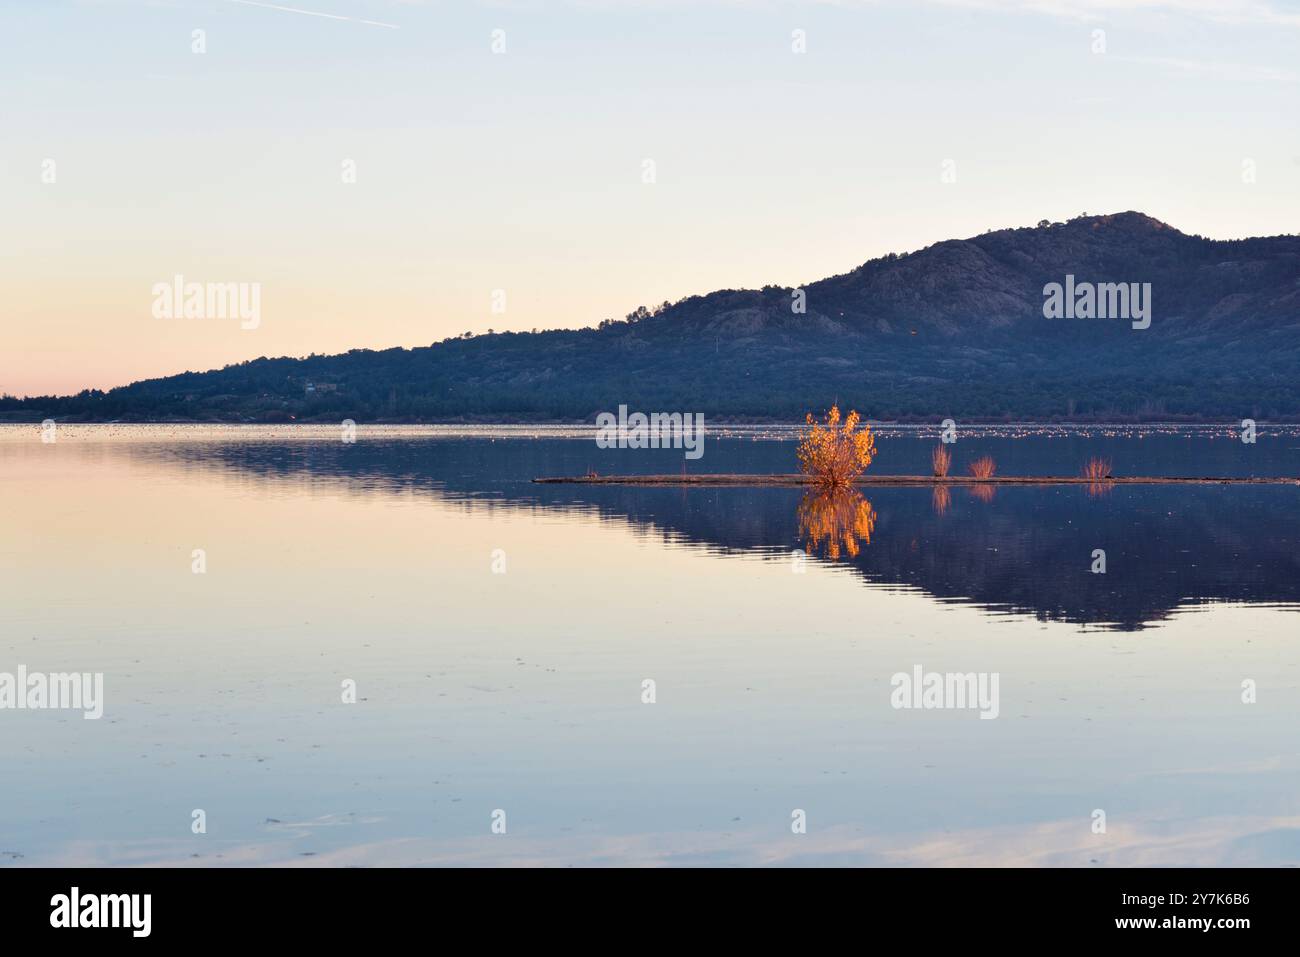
(1028, 550)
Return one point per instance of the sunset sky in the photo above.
(523, 170)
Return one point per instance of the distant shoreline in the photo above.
(727, 422)
(906, 480)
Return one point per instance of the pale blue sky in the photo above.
(523, 171)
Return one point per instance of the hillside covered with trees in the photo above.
(955, 329)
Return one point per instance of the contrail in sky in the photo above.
(314, 13)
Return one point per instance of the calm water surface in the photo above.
(380, 562)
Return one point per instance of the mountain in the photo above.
(955, 329)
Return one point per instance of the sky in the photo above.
(393, 172)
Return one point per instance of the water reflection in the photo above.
(835, 518)
(1098, 489)
(1022, 550)
(371, 562)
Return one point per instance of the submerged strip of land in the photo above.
(920, 480)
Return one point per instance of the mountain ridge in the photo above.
(953, 329)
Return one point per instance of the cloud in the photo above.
(314, 13)
(1238, 12)
(1224, 71)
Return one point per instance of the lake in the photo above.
(401, 651)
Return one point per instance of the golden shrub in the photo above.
(1097, 469)
(941, 460)
(835, 454)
